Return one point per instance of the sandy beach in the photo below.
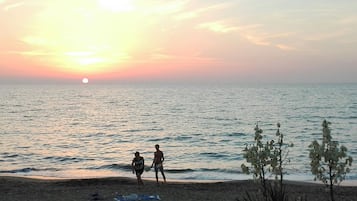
(20, 189)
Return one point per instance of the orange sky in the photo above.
(244, 41)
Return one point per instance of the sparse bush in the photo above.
(278, 160)
(264, 158)
(259, 157)
(329, 163)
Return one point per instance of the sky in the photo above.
(253, 41)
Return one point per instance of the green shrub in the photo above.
(267, 158)
(258, 155)
(329, 163)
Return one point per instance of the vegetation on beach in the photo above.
(258, 155)
(329, 163)
(264, 158)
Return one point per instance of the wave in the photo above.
(159, 139)
(180, 170)
(64, 159)
(127, 167)
(236, 134)
(141, 130)
(6, 155)
(234, 171)
(177, 138)
(27, 170)
(215, 155)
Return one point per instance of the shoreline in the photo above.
(24, 188)
(347, 183)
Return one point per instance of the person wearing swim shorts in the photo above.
(158, 163)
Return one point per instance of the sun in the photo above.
(85, 80)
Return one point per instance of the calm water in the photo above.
(76, 131)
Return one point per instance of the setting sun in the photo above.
(85, 80)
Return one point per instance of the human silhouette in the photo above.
(138, 167)
(158, 163)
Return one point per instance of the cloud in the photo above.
(197, 12)
(285, 47)
(261, 41)
(79, 54)
(251, 33)
(32, 53)
(265, 38)
(218, 27)
(38, 41)
(12, 6)
(164, 8)
(162, 55)
(186, 15)
(256, 37)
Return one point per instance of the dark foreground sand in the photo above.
(25, 189)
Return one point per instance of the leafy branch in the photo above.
(329, 163)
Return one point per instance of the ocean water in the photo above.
(79, 131)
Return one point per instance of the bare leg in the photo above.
(163, 175)
(156, 175)
(140, 181)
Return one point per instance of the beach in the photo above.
(105, 189)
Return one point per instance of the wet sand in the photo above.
(29, 189)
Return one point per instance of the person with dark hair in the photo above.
(138, 167)
(158, 163)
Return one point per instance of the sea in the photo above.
(93, 130)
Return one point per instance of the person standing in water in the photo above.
(138, 167)
(157, 163)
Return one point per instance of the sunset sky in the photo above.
(189, 40)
